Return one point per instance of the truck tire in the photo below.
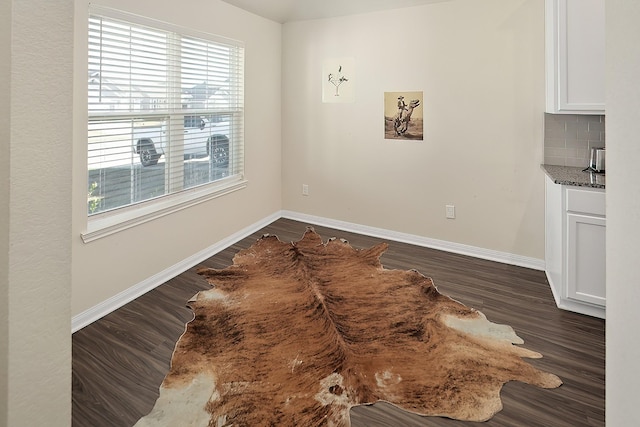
(148, 154)
(218, 150)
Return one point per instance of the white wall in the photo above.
(481, 67)
(623, 212)
(103, 268)
(5, 127)
(36, 42)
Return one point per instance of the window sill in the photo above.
(109, 223)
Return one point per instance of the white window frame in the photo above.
(110, 222)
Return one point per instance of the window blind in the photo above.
(165, 112)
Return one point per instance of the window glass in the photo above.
(165, 112)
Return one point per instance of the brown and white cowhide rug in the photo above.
(295, 334)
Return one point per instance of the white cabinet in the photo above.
(586, 258)
(575, 55)
(575, 230)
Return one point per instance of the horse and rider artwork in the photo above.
(403, 115)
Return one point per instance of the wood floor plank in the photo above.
(120, 360)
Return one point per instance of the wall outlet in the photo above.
(450, 211)
(305, 190)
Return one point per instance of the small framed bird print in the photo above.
(338, 80)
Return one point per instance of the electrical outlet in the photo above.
(305, 190)
(450, 211)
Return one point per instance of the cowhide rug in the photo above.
(295, 334)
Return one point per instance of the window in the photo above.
(165, 114)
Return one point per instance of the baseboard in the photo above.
(575, 306)
(488, 254)
(102, 309)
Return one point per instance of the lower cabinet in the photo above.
(586, 258)
(575, 254)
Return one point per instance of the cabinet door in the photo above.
(586, 258)
(576, 56)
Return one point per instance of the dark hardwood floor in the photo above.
(120, 360)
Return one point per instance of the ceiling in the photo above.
(297, 10)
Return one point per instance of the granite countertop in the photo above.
(569, 175)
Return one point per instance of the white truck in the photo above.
(202, 138)
(110, 139)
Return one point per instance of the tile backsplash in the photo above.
(568, 138)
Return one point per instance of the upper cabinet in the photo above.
(575, 55)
